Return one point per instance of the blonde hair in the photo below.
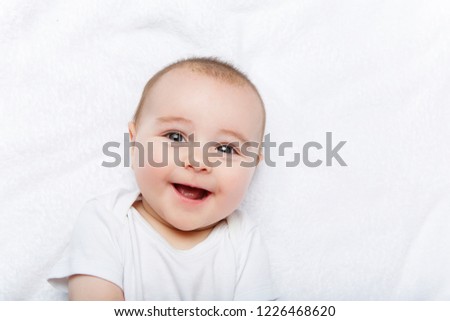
(210, 66)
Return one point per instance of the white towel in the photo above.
(375, 74)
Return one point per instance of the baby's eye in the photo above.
(175, 136)
(228, 149)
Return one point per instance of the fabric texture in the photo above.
(374, 73)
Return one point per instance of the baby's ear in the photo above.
(132, 130)
(260, 158)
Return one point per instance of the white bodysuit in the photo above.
(111, 240)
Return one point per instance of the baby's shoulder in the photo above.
(109, 208)
(240, 225)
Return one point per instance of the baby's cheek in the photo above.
(143, 176)
(237, 181)
(145, 172)
(154, 169)
(157, 153)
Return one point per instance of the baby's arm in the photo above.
(86, 288)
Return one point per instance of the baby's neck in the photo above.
(178, 239)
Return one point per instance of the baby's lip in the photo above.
(190, 196)
(193, 186)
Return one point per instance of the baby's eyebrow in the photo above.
(235, 134)
(172, 119)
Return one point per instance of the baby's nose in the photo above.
(196, 159)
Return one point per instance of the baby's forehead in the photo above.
(184, 86)
(187, 81)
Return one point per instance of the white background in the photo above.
(374, 73)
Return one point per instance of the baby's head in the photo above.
(216, 109)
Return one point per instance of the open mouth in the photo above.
(190, 192)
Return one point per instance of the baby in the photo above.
(174, 230)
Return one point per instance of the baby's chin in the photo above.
(192, 226)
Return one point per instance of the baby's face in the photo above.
(184, 103)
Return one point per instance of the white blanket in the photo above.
(374, 73)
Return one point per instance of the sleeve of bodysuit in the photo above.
(254, 281)
(93, 249)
